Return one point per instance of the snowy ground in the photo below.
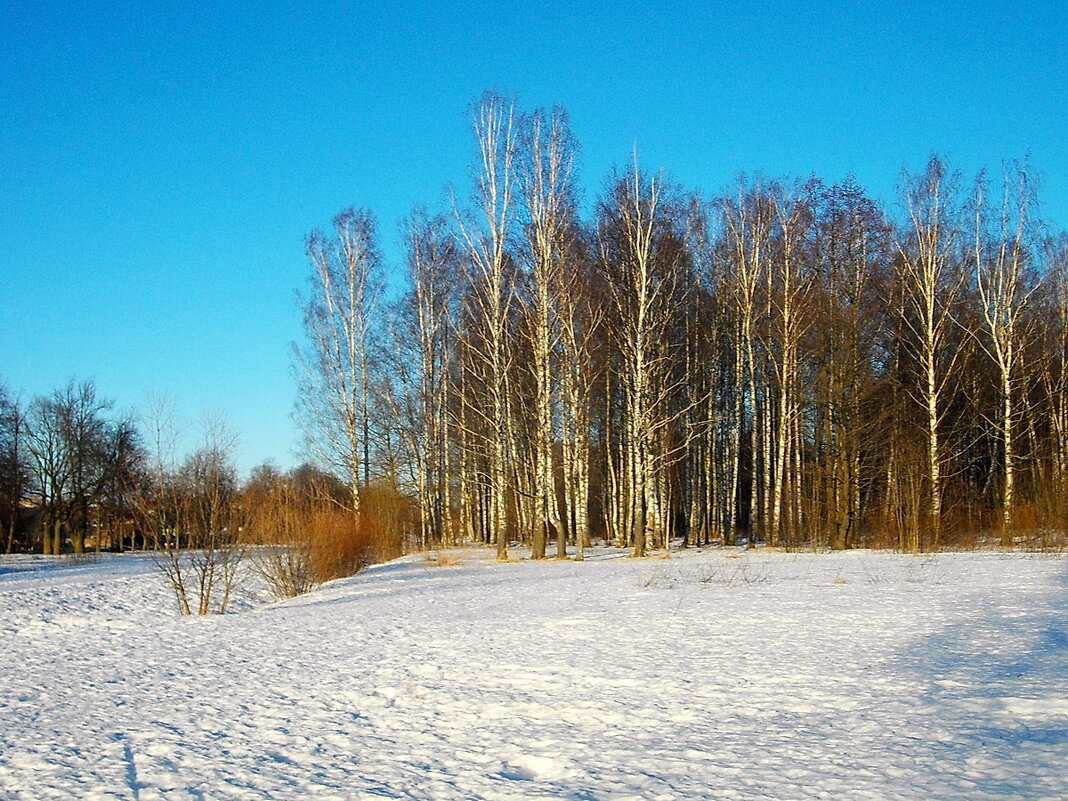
(723, 674)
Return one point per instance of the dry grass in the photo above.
(442, 559)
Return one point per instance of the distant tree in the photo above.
(85, 433)
(319, 483)
(14, 464)
(124, 463)
(47, 444)
(278, 520)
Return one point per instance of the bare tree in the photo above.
(851, 255)
(50, 467)
(789, 283)
(932, 278)
(211, 519)
(1004, 281)
(1054, 368)
(640, 260)
(14, 464)
(711, 359)
(157, 498)
(549, 199)
(748, 222)
(188, 514)
(279, 513)
(85, 432)
(333, 365)
(421, 365)
(483, 239)
(579, 316)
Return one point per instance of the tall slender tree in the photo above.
(483, 236)
(546, 179)
(932, 278)
(1004, 281)
(641, 258)
(333, 364)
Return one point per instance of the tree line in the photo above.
(75, 476)
(787, 362)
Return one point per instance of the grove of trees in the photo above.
(787, 362)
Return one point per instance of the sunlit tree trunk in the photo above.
(787, 287)
(431, 275)
(578, 319)
(641, 262)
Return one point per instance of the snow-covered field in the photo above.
(722, 674)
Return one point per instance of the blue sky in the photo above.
(161, 164)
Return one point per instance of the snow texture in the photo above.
(720, 674)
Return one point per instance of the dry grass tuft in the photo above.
(442, 559)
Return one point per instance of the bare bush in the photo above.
(188, 514)
(306, 534)
(718, 573)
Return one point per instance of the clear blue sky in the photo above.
(161, 163)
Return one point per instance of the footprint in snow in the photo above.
(532, 768)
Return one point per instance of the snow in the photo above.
(724, 674)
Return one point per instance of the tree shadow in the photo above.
(993, 703)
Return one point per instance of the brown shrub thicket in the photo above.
(304, 534)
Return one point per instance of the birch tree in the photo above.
(748, 221)
(931, 279)
(788, 286)
(1004, 283)
(1054, 365)
(640, 254)
(548, 195)
(580, 316)
(483, 236)
(333, 364)
(424, 370)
